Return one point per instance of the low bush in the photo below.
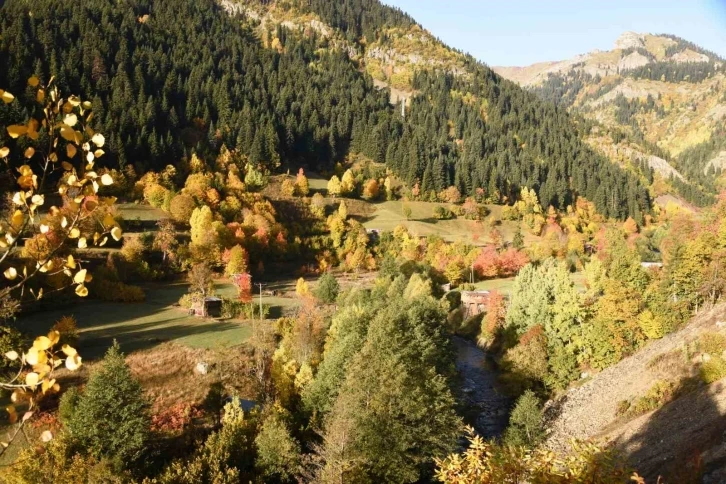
(442, 213)
(234, 308)
(186, 301)
(713, 369)
(658, 395)
(113, 291)
(68, 329)
(712, 343)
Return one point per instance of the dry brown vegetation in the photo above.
(167, 373)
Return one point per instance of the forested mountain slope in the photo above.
(658, 99)
(168, 78)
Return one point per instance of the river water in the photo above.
(485, 406)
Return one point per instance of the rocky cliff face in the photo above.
(691, 425)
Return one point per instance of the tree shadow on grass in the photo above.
(93, 343)
(684, 439)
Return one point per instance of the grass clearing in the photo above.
(388, 215)
(141, 326)
(140, 212)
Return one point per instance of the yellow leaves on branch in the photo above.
(6, 97)
(70, 120)
(80, 276)
(41, 360)
(73, 362)
(10, 273)
(98, 140)
(17, 130)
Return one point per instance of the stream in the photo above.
(485, 407)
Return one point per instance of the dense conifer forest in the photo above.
(170, 78)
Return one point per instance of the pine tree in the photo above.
(111, 418)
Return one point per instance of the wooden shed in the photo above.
(209, 307)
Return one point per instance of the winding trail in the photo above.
(485, 406)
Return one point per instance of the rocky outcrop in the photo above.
(630, 40)
(689, 55)
(632, 61)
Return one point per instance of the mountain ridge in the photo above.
(658, 98)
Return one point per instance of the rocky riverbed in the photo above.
(485, 406)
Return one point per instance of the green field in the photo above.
(387, 215)
(144, 325)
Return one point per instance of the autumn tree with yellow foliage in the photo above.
(55, 149)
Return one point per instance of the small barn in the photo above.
(209, 307)
(474, 302)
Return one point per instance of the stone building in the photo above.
(473, 302)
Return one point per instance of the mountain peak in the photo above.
(630, 40)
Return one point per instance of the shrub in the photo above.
(488, 463)
(186, 301)
(660, 393)
(442, 213)
(712, 343)
(622, 408)
(713, 369)
(527, 362)
(525, 423)
(174, 419)
(114, 291)
(234, 308)
(111, 418)
(287, 188)
(327, 289)
(68, 404)
(68, 329)
(224, 456)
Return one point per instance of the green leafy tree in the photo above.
(407, 212)
(278, 453)
(380, 425)
(327, 289)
